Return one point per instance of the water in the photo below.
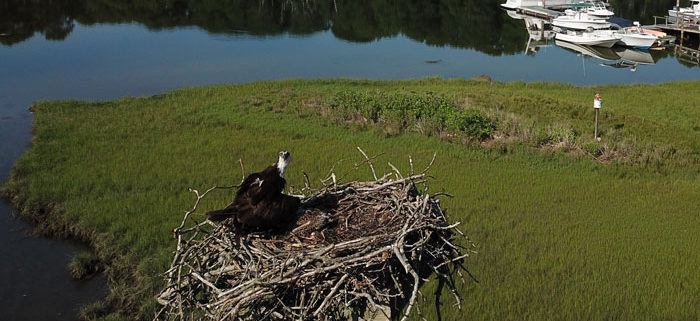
(100, 50)
(34, 280)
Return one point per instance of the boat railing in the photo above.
(683, 20)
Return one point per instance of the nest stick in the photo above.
(355, 246)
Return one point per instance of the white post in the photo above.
(597, 103)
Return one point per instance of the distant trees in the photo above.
(476, 24)
(21, 19)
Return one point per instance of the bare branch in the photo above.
(355, 246)
(368, 162)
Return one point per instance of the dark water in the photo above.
(34, 280)
(105, 49)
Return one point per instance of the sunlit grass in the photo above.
(560, 237)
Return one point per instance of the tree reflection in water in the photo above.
(474, 24)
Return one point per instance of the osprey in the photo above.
(259, 202)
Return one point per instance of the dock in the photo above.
(538, 12)
(686, 33)
(687, 55)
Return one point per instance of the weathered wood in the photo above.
(357, 249)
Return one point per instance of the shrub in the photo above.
(593, 147)
(473, 123)
(426, 113)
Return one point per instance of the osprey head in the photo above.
(283, 162)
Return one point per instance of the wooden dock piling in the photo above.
(683, 29)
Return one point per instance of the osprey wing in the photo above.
(251, 185)
(265, 186)
(270, 189)
(260, 186)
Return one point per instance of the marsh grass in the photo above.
(560, 236)
(83, 265)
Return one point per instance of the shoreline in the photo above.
(50, 218)
(45, 222)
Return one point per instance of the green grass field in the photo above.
(561, 233)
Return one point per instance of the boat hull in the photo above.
(639, 41)
(562, 22)
(580, 21)
(588, 39)
(685, 12)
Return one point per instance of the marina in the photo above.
(65, 50)
(587, 23)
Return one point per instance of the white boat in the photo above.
(514, 4)
(635, 37)
(598, 9)
(580, 21)
(692, 12)
(631, 37)
(588, 38)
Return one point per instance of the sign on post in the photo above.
(597, 103)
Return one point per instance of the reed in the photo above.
(559, 234)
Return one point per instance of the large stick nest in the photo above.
(356, 248)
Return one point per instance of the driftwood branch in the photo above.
(355, 247)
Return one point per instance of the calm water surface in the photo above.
(103, 49)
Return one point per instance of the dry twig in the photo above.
(355, 246)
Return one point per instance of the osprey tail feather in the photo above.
(220, 215)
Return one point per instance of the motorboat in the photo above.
(579, 20)
(598, 9)
(657, 33)
(692, 12)
(514, 4)
(588, 38)
(663, 39)
(631, 36)
(635, 37)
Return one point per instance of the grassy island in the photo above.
(567, 227)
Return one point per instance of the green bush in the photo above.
(593, 147)
(427, 113)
